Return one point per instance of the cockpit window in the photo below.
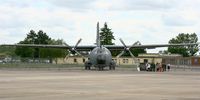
(100, 51)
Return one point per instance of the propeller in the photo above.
(67, 56)
(73, 49)
(127, 48)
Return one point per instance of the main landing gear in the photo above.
(100, 67)
(112, 65)
(88, 65)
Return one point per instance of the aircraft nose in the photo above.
(101, 59)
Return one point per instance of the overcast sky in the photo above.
(149, 21)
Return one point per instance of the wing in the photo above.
(81, 48)
(152, 46)
(90, 47)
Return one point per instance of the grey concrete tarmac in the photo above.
(98, 85)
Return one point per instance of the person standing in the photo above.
(148, 66)
(157, 67)
(168, 67)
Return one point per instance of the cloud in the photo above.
(178, 20)
(75, 5)
(149, 21)
(134, 5)
(147, 5)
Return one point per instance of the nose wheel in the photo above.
(100, 68)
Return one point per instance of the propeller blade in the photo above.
(119, 55)
(77, 43)
(136, 43)
(66, 44)
(125, 48)
(67, 56)
(123, 43)
(79, 53)
(73, 50)
(131, 54)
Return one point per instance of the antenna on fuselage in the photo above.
(98, 36)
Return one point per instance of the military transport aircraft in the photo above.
(100, 55)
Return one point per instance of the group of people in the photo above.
(157, 67)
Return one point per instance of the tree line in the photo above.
(41, 37)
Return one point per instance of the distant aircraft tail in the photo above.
(98, 42)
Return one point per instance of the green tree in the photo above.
(106, 35)
(40, 38)
(8, 51)
(53, 53)
(24, 51)
(32, 38)
(184, 50)
(137, 51)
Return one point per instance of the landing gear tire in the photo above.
(112, 66)
(88, 65)
(100, 68)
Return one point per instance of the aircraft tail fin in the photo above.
(98, 42)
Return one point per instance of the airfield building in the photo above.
(142, 58)
(174, 59)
